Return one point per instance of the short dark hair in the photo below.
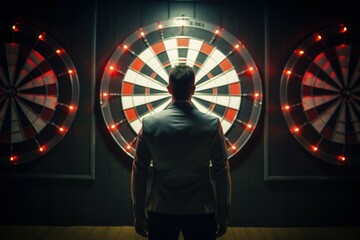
(181, 81)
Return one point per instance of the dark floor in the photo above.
(128, 233)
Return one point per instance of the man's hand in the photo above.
(222, 224)
(141, 226)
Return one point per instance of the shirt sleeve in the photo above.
(139, 175)
(221, 171)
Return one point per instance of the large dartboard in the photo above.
(39, 93)
(135, 79)
(320, 94)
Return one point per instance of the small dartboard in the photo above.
(39, 93)
(320, 94)
(135, 79)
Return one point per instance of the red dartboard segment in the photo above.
(127, 88)
(320, 95)
(137, 65)
(230, 115)
(141, 65)
(158, 48)
(39, 92)
(226, 65)
(206, 48)
(234, 89)
(131, 114)
(183, 42)
(29, 131)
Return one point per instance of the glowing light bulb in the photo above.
(41, 149)
(113, 126)
(249, 126)
(105, 94)
(318, 37)
(111, 68)
(296, 129)
(160, 26)
(142, 34)
(12, 158)
(61, 129)
(125, 46)
(314, 148)
(286, 107)
(237, 46)
(300, 52)
(70, 71)
(343, 29)
(128, 147)
(342, 158)
(41, 37)
(217, 31)
(71, 107)
(257, 95)
(58, 51)
(233, 147)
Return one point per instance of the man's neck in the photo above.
(174, 99)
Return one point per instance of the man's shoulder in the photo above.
(154, 117)
(205, 116)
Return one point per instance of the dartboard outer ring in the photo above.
(228, 83)
(320, 93)
(39, 93)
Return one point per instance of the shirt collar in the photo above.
(182, 104)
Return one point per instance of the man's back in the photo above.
(180, 140)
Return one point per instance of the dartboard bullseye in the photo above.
(134, 81)
(320, 95)
(39, 93)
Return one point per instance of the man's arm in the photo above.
(138, 183)
(221, 171)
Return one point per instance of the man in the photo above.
(180, 180)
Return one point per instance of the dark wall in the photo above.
(84, 180)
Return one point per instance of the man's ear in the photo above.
(169, 89)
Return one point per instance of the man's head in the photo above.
(181, 82)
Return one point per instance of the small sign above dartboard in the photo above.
(39, 93)
(320, 94)
(228, 83)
